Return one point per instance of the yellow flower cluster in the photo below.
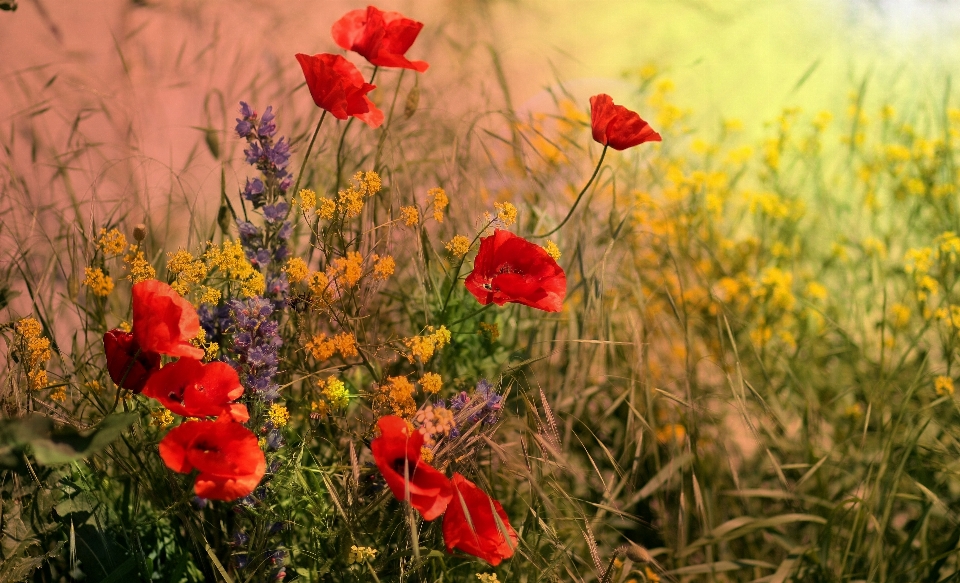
(327, 208)
(335, 392)
(322, 348)
(162, 418)
(319, 285)
(138, 268)
(439, 200)
(278, 415)
(307, 199)
(34, 351)
(943, 385)
(350, 200)
(458, 246)
(431, 383)
(111, 242)
(232, 262)
(488, 578)
(383, 267)
(434, 423)
(410, 215)
(296, 269)
(490, 331)
(361, 554)
(423, 347)
(350, 267)
(99, 283)
(395, 396)
(552, 250)
(188, 271)
(506, 212)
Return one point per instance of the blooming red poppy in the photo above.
(380, 37)
(164, 322)
(617, 126)
(191, 388)
(226, 453)
(397, 454)
(509, 268)
(129, 366)
(337, 86)
(471, 525)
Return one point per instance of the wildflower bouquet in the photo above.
(314, 392)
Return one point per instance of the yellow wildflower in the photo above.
(943, 385)
(490, 331)
(319, 409)
(506, 212)
(296, 269)
(321, 348)
(327, 208)
(188, 270)
(410, 215)
(162, 418)
(901, 315)
(208, 295)
(59, 394)
(138, 266)
(439, 200)
(361, 554)
(816, 291)
(350, 202)
(733, 125)
(125, 326)
(111, 242)
(426, 454)
(346, 344)
(650, 574)
(458, 246)
(34, 351)
(99, 283)
(384, 267)
(320, 285)
(761, 335)
(336, 392)
(488, 578)
(278, 415)
(254, 286)
(370, 180)
(350, 266)
(673, 432)
(307, 200)
(431, 383)
(424, 347)
(552, 250)
(395, 396)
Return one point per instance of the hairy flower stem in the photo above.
(576, 202)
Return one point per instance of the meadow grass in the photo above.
(751, 378)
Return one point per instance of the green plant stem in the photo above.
(579, 196)
(306, 156)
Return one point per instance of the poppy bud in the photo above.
(140, 232)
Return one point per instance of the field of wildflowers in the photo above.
(580, 344)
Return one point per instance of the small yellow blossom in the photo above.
(99, 283)
(733, 125)
(59, 394)
(395, 396)
(111, 242)
(816, 291)
(761, 335)
(410, 215)
(438, 198)
(943, 385)
(490, 331)
(125, 326)
(423, 347)
(384, 267)
(458, 246)
(552, 250)
(673, 432)
(426, 454)
(162, 418)
(351, 267)
(139, 269)
(335, 392)
(361, 554)
(350, 202)
(320, 285)
(346, 344)
(34, 351)
(93, 386)
(650, 574)
(321, 348)
(855, 411)
(488, 578)
(506, 212)
(319, 409)
(296, 269)
(371, 182)
(431, 383)
(278, 415)
(900, 314)
(327, 208)
(307, 200)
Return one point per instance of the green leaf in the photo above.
(52, 445)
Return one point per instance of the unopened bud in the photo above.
(140, 232)
(413, 100)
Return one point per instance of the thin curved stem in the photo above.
(306, 156)
(576, 202)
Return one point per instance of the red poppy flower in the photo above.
(617, 126)
(471, 526)
(193, 389)
(129, 366)
(164, 322)
(226, 453)
(397, 454)
(509, 268)
(337, 86)
(380, 37)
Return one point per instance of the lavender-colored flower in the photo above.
(259, 258)
(279, 154)
(244, 128)
(247, 230)
(267, 126)
(240, 561)
(254, 153)
(253, 191)
(255, 344)
(286, 230)
(276, 212)
(246, 111)
(240, 538)
(200, 502)
(274, 440)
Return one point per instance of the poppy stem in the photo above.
(579, 196)
(306, 156)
